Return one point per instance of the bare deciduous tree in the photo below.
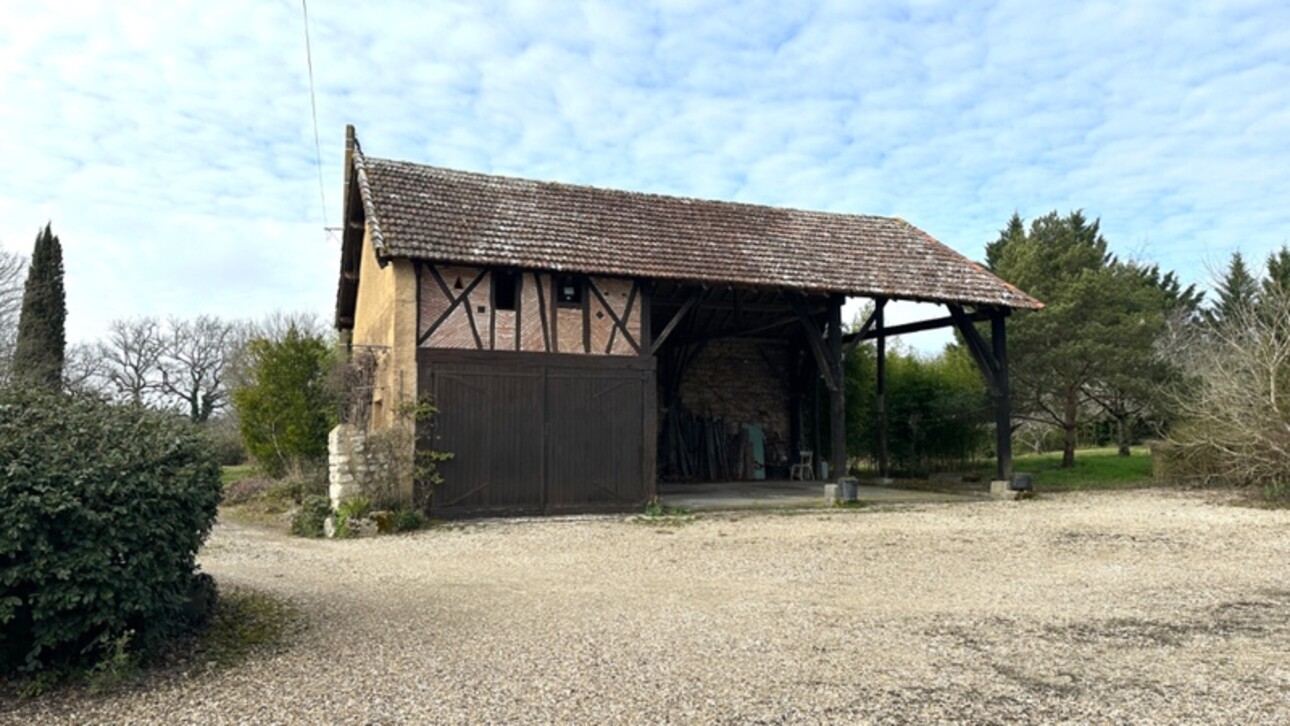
(1234, 406)
(13, 268)
(83, 369)
(131, 359)
(194, 360)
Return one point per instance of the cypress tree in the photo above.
(42, 337)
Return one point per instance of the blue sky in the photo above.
(171, 143)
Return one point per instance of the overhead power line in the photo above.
(313, 106)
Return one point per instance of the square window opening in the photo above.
(506, 284)
(568, 291)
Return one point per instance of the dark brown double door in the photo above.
(540, 433)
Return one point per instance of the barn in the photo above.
(580, 344)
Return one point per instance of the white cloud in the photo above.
(171, 142)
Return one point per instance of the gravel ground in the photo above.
(1147, 606)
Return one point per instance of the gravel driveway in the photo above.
(1149, 606)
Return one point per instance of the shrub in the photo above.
(349, 513)
(1233, 403)
(408, 520)
(309, 520)
(285, 407)
(102, 511)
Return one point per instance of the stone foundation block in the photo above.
(1002, 489)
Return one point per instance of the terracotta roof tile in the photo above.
(426, 212)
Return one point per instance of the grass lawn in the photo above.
(231, 474)
(1094, 469)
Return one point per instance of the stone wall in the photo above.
(345, 447)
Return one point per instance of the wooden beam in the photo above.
(1003, 404)
(541, 301)
(814, 339)
(586, 315)
(920, 326)
(741, 306)
(851, 341)
(519, 311)
(646, 292)
(880, 397)
(981, 354)
(690, 302)
(837, 396)
(743, 333)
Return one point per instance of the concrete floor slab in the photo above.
(786, 494)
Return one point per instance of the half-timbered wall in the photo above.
(457, 310)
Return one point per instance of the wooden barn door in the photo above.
(491, 420)
(595, 438)
(541, 433)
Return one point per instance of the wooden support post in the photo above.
(837, 394)
(1003, 402)
(880, 398)
(795, 409)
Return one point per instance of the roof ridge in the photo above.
(627, 192)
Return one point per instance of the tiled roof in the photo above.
(426, 212)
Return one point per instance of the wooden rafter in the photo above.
(690, 302)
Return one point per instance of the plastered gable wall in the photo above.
(385, 322)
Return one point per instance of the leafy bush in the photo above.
(102, 511)
(286, 407)
(309, 520)
(408, 520)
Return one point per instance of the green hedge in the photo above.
(102, 511)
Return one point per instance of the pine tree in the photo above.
(1278, 279)
(42, 338)
(1098, 329)
(1238, 290)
